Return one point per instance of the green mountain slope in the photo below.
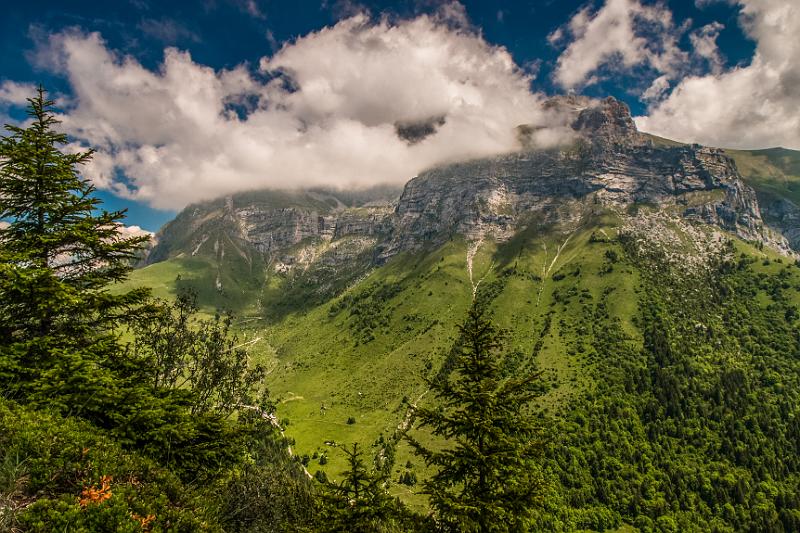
(774, 171)
(775, 175)
(636, 273)
(664, 411)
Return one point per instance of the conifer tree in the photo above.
(487, 478)
(359, 502)
(60, 252)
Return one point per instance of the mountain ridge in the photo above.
(660, 307)
(608, 165)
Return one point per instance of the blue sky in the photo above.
(230, 35)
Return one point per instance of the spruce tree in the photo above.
(487, 478)
(358, 503)
(60, 252)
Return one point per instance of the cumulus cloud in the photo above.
(621, 35)
(332, 108)
(752, 106)
(13, 93)
(127, 232)
(657, 89)
(704, 43)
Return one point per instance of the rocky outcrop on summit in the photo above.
(610, 165)
(608, 122)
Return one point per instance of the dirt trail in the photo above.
(472, 250)
(406, 422)
(248, 343)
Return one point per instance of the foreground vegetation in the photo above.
(97, 434)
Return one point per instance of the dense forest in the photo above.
(123, 412)
(694, 428)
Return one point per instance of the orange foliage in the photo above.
(94, 495)
(144, 521)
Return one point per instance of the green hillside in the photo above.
(639, 353)
(668, 350)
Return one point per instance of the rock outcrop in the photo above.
(608, 165)
(289, 230)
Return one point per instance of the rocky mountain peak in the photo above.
(610, 168)
(606, 122)
(606, 119)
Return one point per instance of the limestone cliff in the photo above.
(608, 166)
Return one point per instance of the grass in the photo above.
(321, 374)
(773, 173)
(366, 353)
(329, 363)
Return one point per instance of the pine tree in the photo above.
(359, 503)
(487, 479)
(60, 252)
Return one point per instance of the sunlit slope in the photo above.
(363, 352)
(773, 172)
(366, 354)
(662, 343)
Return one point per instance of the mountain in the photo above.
(653, 283)
(231, 246)
(328, 239)
(775, 175)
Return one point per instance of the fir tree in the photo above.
(488, 479)
(60, 252)
(358, 503)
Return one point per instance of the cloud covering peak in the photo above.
(326, 110)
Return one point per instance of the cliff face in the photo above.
(286, 232)
(783, 215)
(608, 166)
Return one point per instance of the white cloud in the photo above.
(621, 35)
(15, 93)
(556, 36)
(704, 42)
(752, 106)
(186, 132)
(657, 89)
(127, 232)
